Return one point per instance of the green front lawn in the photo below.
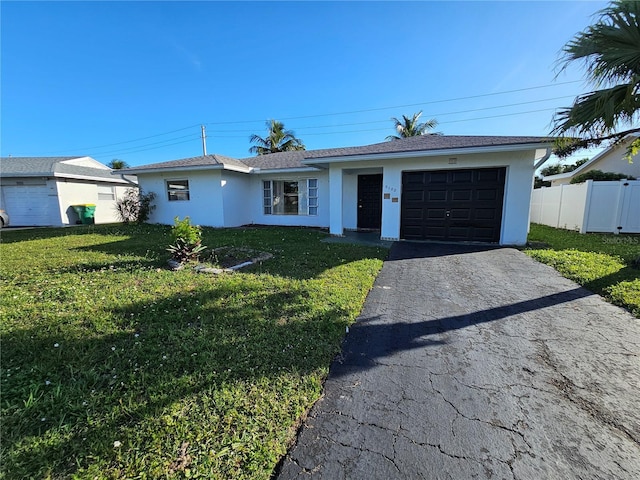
(113, 366)
(604, 263)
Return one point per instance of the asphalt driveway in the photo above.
(472, 362)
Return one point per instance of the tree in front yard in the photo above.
(278, 139)
(610, 51)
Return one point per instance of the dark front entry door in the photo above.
(370, 201)
(452, 205)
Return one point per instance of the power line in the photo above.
(190, 135)
(154, 148)
(442, 114)
(387, 129)
(402, 106)
(128, 141)
(137, 149)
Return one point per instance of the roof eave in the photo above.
(265, 171)
(90, 178)
(427, 153)
(183, 168)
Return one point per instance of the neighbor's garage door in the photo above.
(27, 205)
(452, 205)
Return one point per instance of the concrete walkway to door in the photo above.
(474, 362)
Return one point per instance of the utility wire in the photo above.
(402, 106)
(433, 115)
(129, 141)
(331, 114)
(111, 152)
(387, 129)
(153, 148)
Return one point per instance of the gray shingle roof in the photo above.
(427, 143)
(52, 166)
(277, 160)
(303, 159)
(201, 161)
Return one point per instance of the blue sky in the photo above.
(135, 80)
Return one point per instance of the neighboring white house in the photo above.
(40, 191)
(611, 159)
(435, 187)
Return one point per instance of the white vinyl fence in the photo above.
(611, 207)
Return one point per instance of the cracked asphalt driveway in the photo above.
(474, 362)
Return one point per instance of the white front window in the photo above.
(290, 197)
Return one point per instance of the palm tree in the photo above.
(277, 140)
(610, 50)
(410, 127)
(117, 164)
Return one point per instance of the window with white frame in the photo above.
(177, 190)
(106, 192)
(290, 197)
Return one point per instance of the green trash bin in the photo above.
(86, 212)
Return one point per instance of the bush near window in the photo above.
(187, 240)
(135, 206)
(600, 176)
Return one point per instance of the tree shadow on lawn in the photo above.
(186, 345)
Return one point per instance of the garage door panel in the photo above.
(460, 214)
(485, 214)
(486, 194)
(462, 176)
(465, 195)
(458, 205)
(460, 232)
(436, 196)
(415, 196)
(416, 178)
(435, 177)
(433, 232)
(435, 213)
(414, 214)
(493, 175)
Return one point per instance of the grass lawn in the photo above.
(113, 366)
(603, 263)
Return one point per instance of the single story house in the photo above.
(611, 159)
(40, 191)
(434, 187)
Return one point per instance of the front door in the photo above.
(370, 201)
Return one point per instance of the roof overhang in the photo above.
(266, 171)
(90, 178)
(187, 168)
(428, 153)
(73, 176)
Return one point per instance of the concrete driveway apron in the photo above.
(474, 362)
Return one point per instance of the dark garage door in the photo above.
(453, 205)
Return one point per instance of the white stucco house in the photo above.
(611, 159)
(453, 188)
(40, 191)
